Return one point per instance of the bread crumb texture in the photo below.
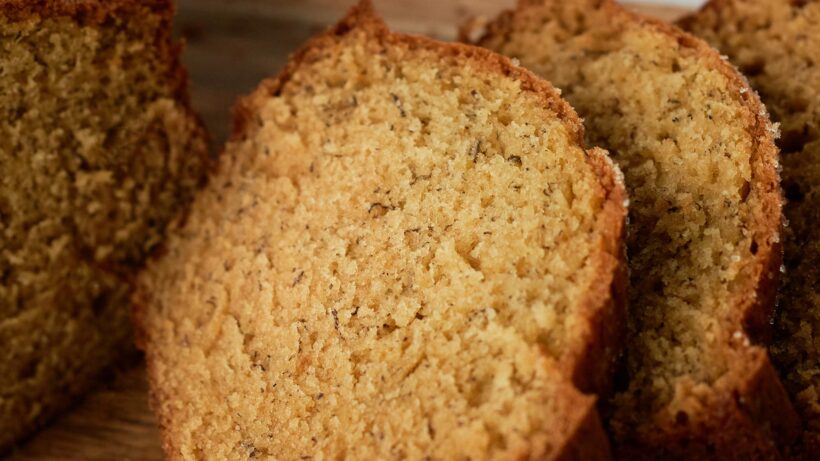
(392, 262)
(776, 44)
(697, 153)
(96, 155)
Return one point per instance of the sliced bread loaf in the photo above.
(406, 253)
(777, 45)
(697, 151)
(98, 150)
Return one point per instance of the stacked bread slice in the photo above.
(776, 45)
(98, 151)
(698, 154)
(406, 253)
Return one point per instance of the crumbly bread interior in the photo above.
(393, 260)
(776, 45)
(96, 155)
(676, 126)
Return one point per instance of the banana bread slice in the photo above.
(406, 253)
(777, 44)
(697, 151)
(98, 150)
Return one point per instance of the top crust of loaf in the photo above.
(363, 17)
(587, 360)
(753, 379)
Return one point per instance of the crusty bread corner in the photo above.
(590, 360)
(751, 413)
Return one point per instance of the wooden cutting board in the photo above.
(231, 46)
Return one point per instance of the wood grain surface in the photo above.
(231, 46)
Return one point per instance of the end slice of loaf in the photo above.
(697, 151)
(98, 151)
(406, 253)
(776, 44)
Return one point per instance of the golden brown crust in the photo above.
(758, 411)
(600, 349)
(591, 365)
(363, 17)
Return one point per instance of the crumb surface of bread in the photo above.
(777, 44)
(98, 150)
(697, 152)
(406, 253)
